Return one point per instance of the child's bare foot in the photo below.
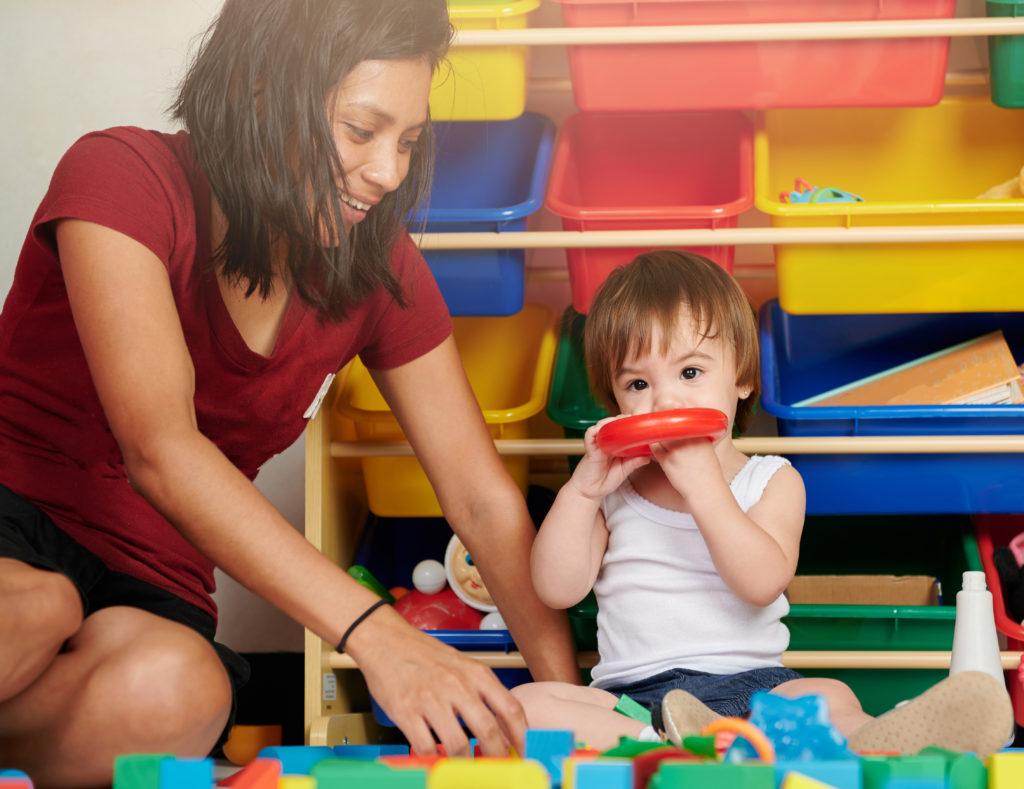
(970, 711)
(683, 715)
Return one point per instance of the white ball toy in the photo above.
(429, 576)
(493, 621)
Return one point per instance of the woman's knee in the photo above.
(47, 602)
(170, 691)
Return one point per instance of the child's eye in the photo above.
(637, 385)
(689, 373)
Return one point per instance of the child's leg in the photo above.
(588, 712)
(844, 708)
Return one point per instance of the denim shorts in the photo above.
(726, 694)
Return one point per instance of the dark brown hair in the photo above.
(645, 296)
(254, 101)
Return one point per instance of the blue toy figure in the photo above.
(803, 192)
(799, 729)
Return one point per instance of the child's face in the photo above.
(696, 372)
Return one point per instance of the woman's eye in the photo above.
(407, 145)
(637, 386)
(362, 134)
(689, 373)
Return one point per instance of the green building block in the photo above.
(628, 748)
(879, 770)
(138, 770)
(963, 770)
(349, 773)
(713, 775)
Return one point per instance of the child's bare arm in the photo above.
(754, 552)
(569, 548)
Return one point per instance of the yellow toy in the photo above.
(1014, 188)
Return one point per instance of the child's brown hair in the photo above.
(646, 295)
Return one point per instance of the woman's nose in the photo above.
(385, 170)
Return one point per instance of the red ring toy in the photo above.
(632, 436)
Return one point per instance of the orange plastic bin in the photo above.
(656, 171)
(761, 74)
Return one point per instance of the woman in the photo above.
(177, 306)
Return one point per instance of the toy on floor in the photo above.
(798, 729)
(803, 192)
(1011, 189)
(632, 436)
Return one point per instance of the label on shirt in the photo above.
(330, 687)
(320, 395)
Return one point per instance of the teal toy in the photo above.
(803, 192)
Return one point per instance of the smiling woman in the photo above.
(180, 302)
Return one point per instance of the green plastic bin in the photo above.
(1006, 57)
(940, 546)
(571, 405)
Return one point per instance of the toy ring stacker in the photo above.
(632, 436)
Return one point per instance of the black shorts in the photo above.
(29, 535)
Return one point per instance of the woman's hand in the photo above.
(426, 686)
(599, 473)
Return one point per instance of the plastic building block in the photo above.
(245, 742)
(597, 774)
(488, 774)
(369, 752)
(838, 773)
(349, 773)
(411, 761)
(713, 775)
(647, 764)
(880, 772)
(186, 774)
(258, 774)
(963, 770)
(297, 782)
(297, 759)
(801, 781)
(14, 779)
(550, 747)
(474, 749)
(798, 729)
(1006, 770)
(633, 709)
(138, 770)
(628, 747)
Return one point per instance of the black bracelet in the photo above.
(358, 621)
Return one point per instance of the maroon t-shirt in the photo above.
(56, 448)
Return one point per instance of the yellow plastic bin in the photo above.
(483, 83)
(508, 361)
(916, 167)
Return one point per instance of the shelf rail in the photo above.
(833, 659)
(732, 33)
(754, 445)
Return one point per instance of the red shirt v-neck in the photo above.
(56, 448)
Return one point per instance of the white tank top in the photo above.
(662, 604)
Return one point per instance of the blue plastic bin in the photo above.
(489, 176)
(806, 355)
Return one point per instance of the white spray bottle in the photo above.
(975, 643)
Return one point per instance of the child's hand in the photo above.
(690, 465)
(599, 473)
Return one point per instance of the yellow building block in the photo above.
(488, 774)
(297, 782)
(1006, 771)
(798, 781)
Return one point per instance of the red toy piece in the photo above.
(441, 611)
(632, 436)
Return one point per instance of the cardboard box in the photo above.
(864, 590)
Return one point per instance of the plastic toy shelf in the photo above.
(794, 660)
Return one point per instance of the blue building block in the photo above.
(839, 773)
(297, 759)
(186, 774)
(550, 747)
(369, 752)
(603, 774)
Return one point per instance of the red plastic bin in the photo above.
(992, 531)
(757, 75)
(655, 171)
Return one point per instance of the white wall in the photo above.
(72, 66)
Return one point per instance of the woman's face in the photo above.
(378, 115)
